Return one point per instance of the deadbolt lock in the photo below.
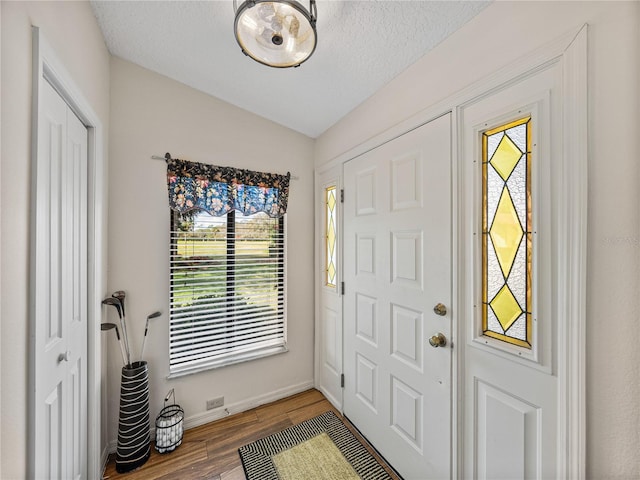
(438, 340)
(440, 309)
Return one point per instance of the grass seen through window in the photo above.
(227, 285)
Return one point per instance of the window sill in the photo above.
(240, 358)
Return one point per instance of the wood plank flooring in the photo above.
(211, 451)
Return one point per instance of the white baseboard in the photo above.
(232, 409)
(333, 400)
(104, 458)
(243, 406)
(113, 445)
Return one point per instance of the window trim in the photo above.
(539, 356)
(527, 237)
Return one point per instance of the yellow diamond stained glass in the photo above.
(505, 307)
(505, 157)
(331, 237)
(331, 198)
(505, 234)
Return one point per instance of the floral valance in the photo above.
(218, 190)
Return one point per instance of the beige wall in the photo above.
(151, 115)
(509, 29)
(72, 31)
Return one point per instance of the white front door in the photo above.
(329, 330)
(59, 292)
(397, 268)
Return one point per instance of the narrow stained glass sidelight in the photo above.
(331, 237)
(506, 233)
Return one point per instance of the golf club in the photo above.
(110, 326)
(146, 329)
(114, 303)
(120, 296)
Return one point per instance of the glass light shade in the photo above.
(279, 34)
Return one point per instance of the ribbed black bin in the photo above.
(134, 440)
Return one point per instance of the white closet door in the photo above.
(59, 273)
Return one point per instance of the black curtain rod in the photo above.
(167, 156)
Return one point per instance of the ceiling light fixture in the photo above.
(278, 33)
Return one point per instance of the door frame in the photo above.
(47, 67)
(571, 51)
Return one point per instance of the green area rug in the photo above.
(322, 448)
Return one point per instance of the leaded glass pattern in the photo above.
(506, 233)
(331, 236)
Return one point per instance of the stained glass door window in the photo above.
(331, 237)
(506, 233)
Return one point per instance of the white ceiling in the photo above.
(362, 45)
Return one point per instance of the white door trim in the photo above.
(571, 50)
(573, 261)
(46, 65)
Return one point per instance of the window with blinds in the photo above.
(227, 289)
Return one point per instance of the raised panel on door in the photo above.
(365, 191)
(397, 266)
(365, 254)
(407, 334)
(331, 323)
(406, 259)
(407, 410)
(507, 436)
(77, 420)
(53, 434)
(367, 319)
(366, 382)
(406, 175)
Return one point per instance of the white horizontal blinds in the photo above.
(227, 289)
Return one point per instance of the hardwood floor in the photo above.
(211, 451)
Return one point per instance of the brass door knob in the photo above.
(440, 309)
(438, 340)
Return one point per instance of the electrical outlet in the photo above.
(215, 403)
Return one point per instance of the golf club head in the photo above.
(110, 326)
(146, 324)
(120, 295)
(115, 303)
(146, 330)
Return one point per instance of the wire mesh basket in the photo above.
(169, 425)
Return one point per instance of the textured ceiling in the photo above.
(361, 46)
